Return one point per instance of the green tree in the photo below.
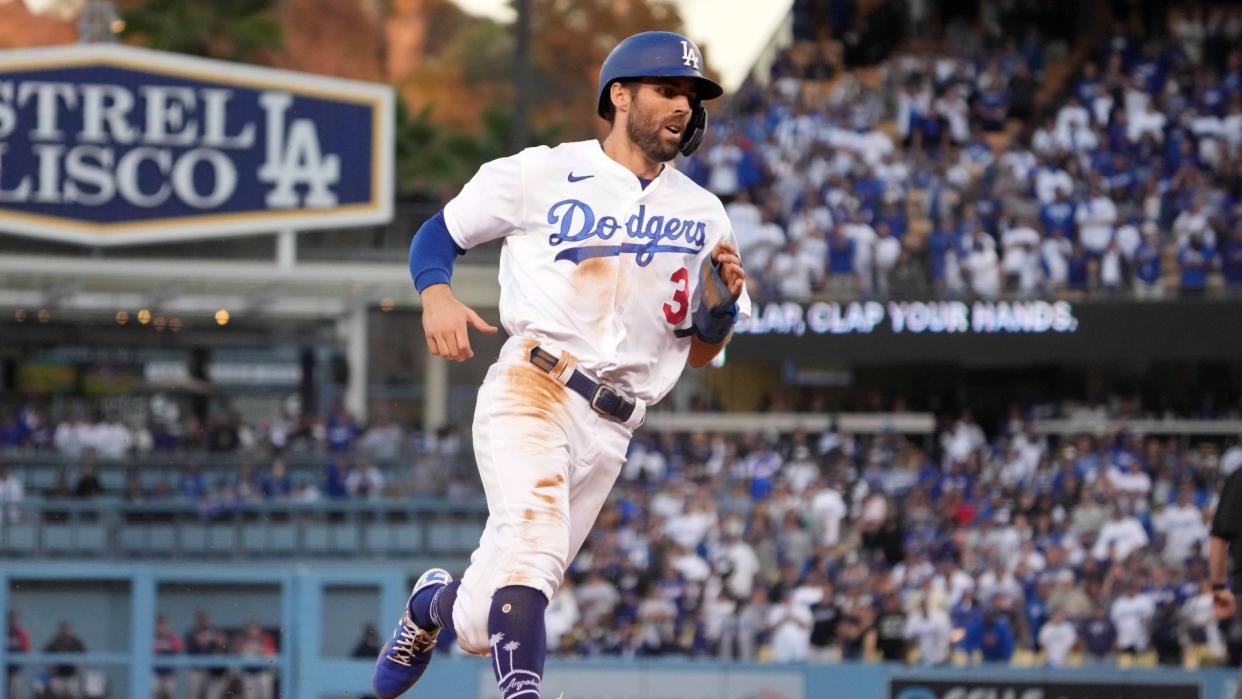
(229, 29)
(434, 159)
(571, 40)
(461, 98)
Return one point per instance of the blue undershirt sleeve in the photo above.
(432, 253)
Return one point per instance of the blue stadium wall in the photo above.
(318, 613)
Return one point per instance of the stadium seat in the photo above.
(18, 538)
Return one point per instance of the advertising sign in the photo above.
(660, 684)
(1003, 689)
(106, 144)
(911, 318)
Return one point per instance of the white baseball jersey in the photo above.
(598, 266)
(593, 263)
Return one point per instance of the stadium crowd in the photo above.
(946, 174)
(800, 546)
(68, 680)
(884, 547)
(797, 547)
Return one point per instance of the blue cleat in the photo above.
(406, 655)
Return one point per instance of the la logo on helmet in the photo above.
(689, 56)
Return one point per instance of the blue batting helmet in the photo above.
(660, 55)
(654, 55)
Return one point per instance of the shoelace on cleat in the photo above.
(410, 641)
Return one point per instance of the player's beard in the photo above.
(646, 132)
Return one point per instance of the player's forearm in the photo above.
(436, 294)
(702, 353)
(1218, 561)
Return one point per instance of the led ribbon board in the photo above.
(107, 144)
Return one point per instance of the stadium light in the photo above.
(122, 317)
(222, 317)
(144, 316)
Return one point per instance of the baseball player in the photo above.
(616, 271)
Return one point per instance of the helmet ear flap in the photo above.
(695, 129)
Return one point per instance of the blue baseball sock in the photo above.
(519, 642)
(432, 607)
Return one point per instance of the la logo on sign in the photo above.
(106, 144)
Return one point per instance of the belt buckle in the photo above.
(600, 390)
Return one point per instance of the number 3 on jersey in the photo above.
(681, 297)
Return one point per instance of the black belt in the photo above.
(603, 399)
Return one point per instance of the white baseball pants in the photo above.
(547, 462)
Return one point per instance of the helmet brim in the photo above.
(704, 88)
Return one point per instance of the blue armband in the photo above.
(432, 253)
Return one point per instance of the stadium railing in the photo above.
(1171, 426)
(110, 528)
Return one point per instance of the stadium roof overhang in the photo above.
(88, 287)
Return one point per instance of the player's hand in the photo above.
(731, 270)
(1223, 604)
(446, 321)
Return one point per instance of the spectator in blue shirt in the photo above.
(1036, 612)
(277, 484)
(1147, 283)
(1195, 258)
(342, 431)
(191, 483)
(841, 261)
(1059, 215)
(996, 638)
(12, 432)
(334, 481)
(1077, 269)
